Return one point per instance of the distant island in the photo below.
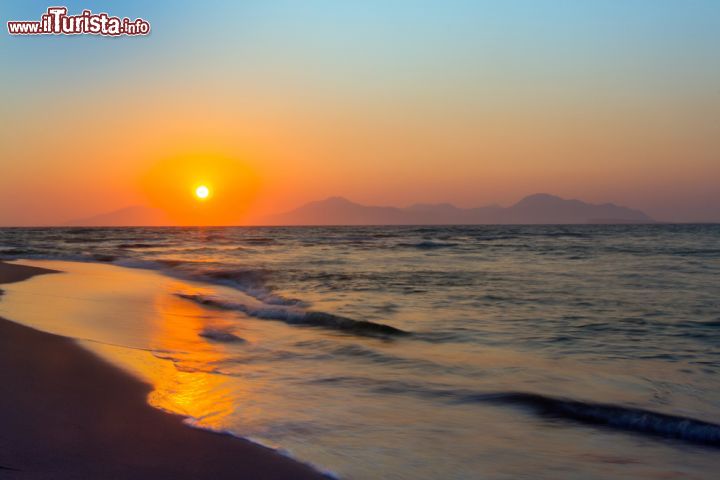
(135, 216)
(539, 208)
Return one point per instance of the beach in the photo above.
(65, 413)
(462, 352)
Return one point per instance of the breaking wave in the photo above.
(294, 316)
(613, 416)
(221, 335)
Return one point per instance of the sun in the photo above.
(202, 192)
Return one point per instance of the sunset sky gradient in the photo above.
(383, 102)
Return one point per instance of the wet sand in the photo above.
(65, 413)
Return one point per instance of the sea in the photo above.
(408, 352)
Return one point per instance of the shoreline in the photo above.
(66, 413)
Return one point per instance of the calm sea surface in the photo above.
(416, 352)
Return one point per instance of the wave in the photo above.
(613, 416)
(85, 240)
(221, 335)
(140, 245)
(251, 281)
(17, 252)
(48, 254)
(259, 241)
(248, 280)
(428, 245)
(246, 276)
(490, 238)
(103, 257)
(617, 417)
(299, 317)
(81, 230)
(564, 234)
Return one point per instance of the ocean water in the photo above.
(585, 352)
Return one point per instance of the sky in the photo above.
(278, 103)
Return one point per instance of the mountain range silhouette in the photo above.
(540, 208)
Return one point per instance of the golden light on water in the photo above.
(156, 338)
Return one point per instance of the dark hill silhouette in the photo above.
(540, 208)
(136, 216)
(535, 209)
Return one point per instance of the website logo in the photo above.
(56, 21)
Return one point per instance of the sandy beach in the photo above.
(65, 414)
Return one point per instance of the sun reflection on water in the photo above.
(179, 365)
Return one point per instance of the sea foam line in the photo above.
(613, 416)
(298, 317)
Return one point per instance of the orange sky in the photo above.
(399, 107)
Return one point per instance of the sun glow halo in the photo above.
(200, 188)
(202, 192)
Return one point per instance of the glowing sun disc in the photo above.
(202, 192)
